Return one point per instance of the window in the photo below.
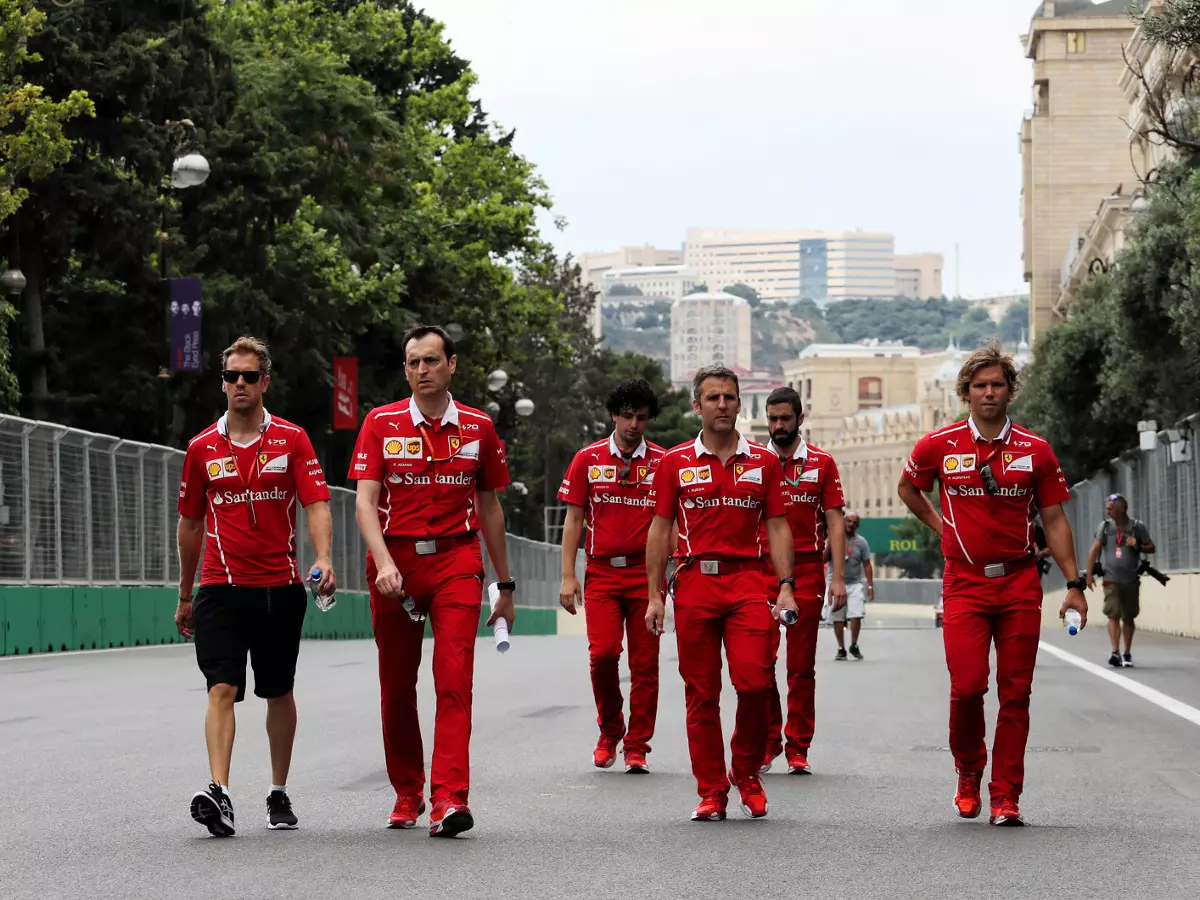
(870, 392)
(1076, 42)
(807, 388)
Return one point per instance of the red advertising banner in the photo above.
(345, 393)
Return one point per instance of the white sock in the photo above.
(224, 788)
(282, 788)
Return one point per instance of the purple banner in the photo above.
(185, 310)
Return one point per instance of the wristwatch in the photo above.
(788, 580)
(1080, 583)
(506, 585)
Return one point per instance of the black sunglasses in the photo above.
(232, 375)
(989, 480)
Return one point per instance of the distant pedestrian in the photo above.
(1122, 541)
(860, 587)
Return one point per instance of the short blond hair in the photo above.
(247, 344)
(986, 358)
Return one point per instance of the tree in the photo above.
(698, 289)
(926, 561)
(1014, 322)
(747, 293)
(623, 290)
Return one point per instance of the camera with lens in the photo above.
(1144, 568)
(1044, 565)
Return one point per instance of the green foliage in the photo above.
(1177, 25)
(926, 561)
(624, 290)
(929, 324)
(747, 293)
(10, 392)
(698, 289)
(1014, 322)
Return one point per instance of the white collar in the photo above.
(1004, 432)
(801, 450)
(743, 447)
(223, 423)
(616, 451)
(449, 417)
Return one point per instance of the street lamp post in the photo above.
(507, 407)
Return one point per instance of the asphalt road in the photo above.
(101, 753)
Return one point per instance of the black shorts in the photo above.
(231, 621)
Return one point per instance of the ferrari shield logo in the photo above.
(739, 469)
(262, 459)
(1008, 457)
(455, 443)
(643, 471)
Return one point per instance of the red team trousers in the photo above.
(615, 604)
(978, 611)
(448, 587)
(801, 663)
(711, 610)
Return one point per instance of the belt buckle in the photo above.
(618, 562)
(710, 567)
(995, 570)
(425, 548)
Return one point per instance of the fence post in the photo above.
(166, 516)
(26, 479)
(87, 505)
(58, 537)
(116, 495)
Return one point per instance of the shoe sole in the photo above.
(750, 814)
(453, 823)
(799, 770)
(1008, 821)
(282, 826)
(637, 770)
(407, 823)
(711, 817)
(968, 815)
(607, 764)
(207, 813)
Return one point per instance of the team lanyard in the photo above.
(237, 470)
(799, 478)
(432, 457)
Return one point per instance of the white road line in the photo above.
(56, 654)
(1158, 698)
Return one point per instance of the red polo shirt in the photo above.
(618, 510)
(429, 470)
(247, 496)
(721, 509)
(983, 528)
(812, 483)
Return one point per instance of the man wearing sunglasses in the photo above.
(993, 476)
(428, 470)
(608, 487)
(814, 489)
(240, 484)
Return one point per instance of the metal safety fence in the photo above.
(78, 508)
(1162, 487)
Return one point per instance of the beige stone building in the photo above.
(596, 265)
(1074, 144)
(919, 275)
(709, 329)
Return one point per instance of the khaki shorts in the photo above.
(1122, 601)
(856, 603)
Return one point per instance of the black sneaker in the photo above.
(855, 652)
(213, 808)
(279, 811)
(1129, 660)
(841, 654)
(1115, 660)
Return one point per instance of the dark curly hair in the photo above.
(632, 395)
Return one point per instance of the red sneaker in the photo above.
(711, 809)
(605, 753)
(1005, 812)
(754, 798)
(449, 817)
(766, 766)
(798, 764)
(967, 799)
(405, 812)
(635, 763)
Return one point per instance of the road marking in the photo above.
(1158, 698)
(56, 653)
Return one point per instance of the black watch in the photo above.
(788, 580)
(1079, 582)
(506, 586)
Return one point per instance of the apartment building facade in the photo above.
(709, 329)
(919, 275)
(671, 282)
(596, 265)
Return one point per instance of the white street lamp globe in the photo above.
(492, 407)
(524, 407)
(455, 331)
(13, 281)
(1140, 204)
(189, 171)
(518, 487)
(497, 380)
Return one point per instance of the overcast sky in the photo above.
(646, 117)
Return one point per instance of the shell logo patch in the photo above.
(606, 475)
(594, 473)
(393, 448)
(220, 468)
(214, 469)
(687, 476)
(959, 462)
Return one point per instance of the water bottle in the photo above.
(410, 607)
(1073, 620)
(324, 602)
(787, 616)
(500, 626)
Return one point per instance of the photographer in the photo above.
(1123, 541)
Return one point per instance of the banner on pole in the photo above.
(345, 393)
(185, 308)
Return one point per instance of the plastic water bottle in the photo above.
(324, 602)
(787, 616)
(500, 627)
(1073, 620)
(410, 607)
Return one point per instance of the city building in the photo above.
(1153, 84)
(1074, 146)
(595, 265)
(791, 264)
(919, 275)
(708, 329)
(671, 282)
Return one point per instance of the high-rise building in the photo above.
(919, 275)
(672, 282)
(708, 329)
(1074, 144)
(596, 265)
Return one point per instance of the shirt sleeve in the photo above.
(493, 467)
(832, 496)
(1101, 536)
(193, 484)
(922, 466)
(307, 472)
(1051, 483)
(779, 499)
(666, 488)
(574, 487)
(863, 548)
(367, 464)
(1142, 533)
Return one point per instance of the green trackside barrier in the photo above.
(56, 619)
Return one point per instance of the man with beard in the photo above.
(812, 484)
